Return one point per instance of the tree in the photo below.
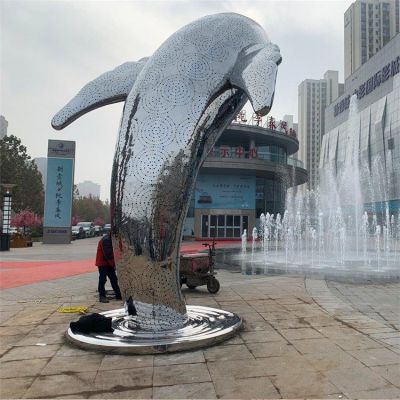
(17, 167)
(90, 208)
(26, 219)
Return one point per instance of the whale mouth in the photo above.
(266, 109)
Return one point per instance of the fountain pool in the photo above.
(333, 230)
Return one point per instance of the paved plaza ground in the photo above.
(302, 338)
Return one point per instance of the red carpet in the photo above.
(13, 273)
(19, 273)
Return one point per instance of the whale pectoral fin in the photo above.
(258, 78)
(110, 87)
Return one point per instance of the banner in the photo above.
(225, 191)
(59, 185)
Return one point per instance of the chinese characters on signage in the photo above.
(272, 123)
(58, 195)
(228, 185)
(389, 70)
(58, 200)
(233, 152)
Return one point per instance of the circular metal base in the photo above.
(205, 327)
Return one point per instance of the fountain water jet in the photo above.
(331, 229)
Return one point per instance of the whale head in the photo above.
(255, 73)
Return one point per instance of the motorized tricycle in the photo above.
(197, 269)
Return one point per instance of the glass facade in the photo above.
(272, 153)
(270, 196)
(227, 200)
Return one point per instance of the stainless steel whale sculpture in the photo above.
(177, 103)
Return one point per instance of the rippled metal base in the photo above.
(206, 326)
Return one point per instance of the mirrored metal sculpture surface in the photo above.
(177, 103)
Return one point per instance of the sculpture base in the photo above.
(205, 327)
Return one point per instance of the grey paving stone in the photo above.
(319, 345)
(10, 340)
(239, 307)
(387, 334)
(374, 357)
(236, 369)
(288, 307)
(30, 352)
(394, 341)
(124, 379)
(203, 390)
(267, 335)
(334, 360)
(389, 392)
(233, 340)
(180, 374)
(258, 387)
(264, 306)
(111, 361)
(290, 323)
(300, 333)
(51, 338)
(355, 379)
(303, 384)
(124, 394)
(14, 388)
(253, 326)
(15, 330)
(271, 349)
(340, 331)
(180, 358)
(390, 372)
(357, 343)
(60, 365)
(21, 368)
(233, 352)
(68, 350)
(276, 315)
(58, 385)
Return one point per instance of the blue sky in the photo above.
(50, 49)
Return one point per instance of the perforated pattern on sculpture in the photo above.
(171, 107)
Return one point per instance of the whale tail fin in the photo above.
(110, 87)
(257, 76)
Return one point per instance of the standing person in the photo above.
(106, 265)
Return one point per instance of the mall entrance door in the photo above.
(223, 226)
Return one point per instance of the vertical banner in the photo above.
(59, 188)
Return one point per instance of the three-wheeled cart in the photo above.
(197, 269)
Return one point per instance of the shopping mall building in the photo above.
(373, 132)
(246, 173)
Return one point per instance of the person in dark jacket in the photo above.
(106, 265)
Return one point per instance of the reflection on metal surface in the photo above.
(177, 103)
(204, 327)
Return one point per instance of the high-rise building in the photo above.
(3, 126)
(364, 130)
(88, 188)
(314, 97)
(368, 26)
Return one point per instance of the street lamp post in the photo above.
(5, 234)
